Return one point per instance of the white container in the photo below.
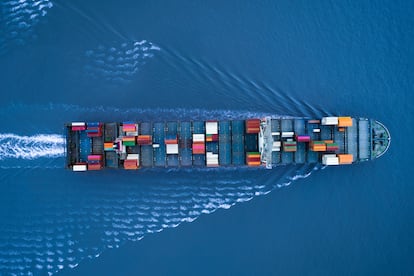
(79, 168)
(172, 148)
(198, 137)
(287, 134)
(329, 121)
(330, 159)
(316, 130)
(277, 133)
(211, 128)
(78, 124)
(155, 145)
(277, 143)
(132, 156)
(131, 133)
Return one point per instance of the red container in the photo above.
(94, 167)
(171, 141)
(78, 128)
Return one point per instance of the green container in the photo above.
(129, 143)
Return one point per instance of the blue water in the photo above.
(155, 60)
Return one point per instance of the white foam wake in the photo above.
(31, 147)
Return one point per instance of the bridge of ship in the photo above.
(365, 139)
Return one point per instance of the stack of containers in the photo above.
(108, 146)
(144, 139)
(211, 137)
(171, 143)
(253, 158)
(129, 127)
(317, 146)
(345, 158)
(212, 159)
(128, 141)
(332, 146)
(289, 146)
(78, 126)
(211, 131)
(132, 161)
(198, 144)
(303, 138)
(330, 159)
(276, 146)
(94, 129)
(253, 126)
(94, 162)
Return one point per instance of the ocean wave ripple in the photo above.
(81, 218)
(118, 63)
(18, 18)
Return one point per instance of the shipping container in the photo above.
(94, 167)
(130, 164)
(332, 146)
(199, 148)
(78, 124)
(303, 138)
(78, 128)
(144, 139)
(252, 126)
(345, 158)
(211, 127)
(330, 159)
(344, 121)
(198, 138)
(172, 148)
(94, 157)
(132, 156)
(287, 134)
(79, 167)
(329, 120)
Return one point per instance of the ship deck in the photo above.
(365, 139)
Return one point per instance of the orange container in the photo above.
(131, 164)
(344, 121)
(345, 158)
(318, 148)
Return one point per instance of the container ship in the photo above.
(265, 142)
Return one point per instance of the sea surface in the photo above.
(155, 60)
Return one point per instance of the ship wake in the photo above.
(18, 151)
